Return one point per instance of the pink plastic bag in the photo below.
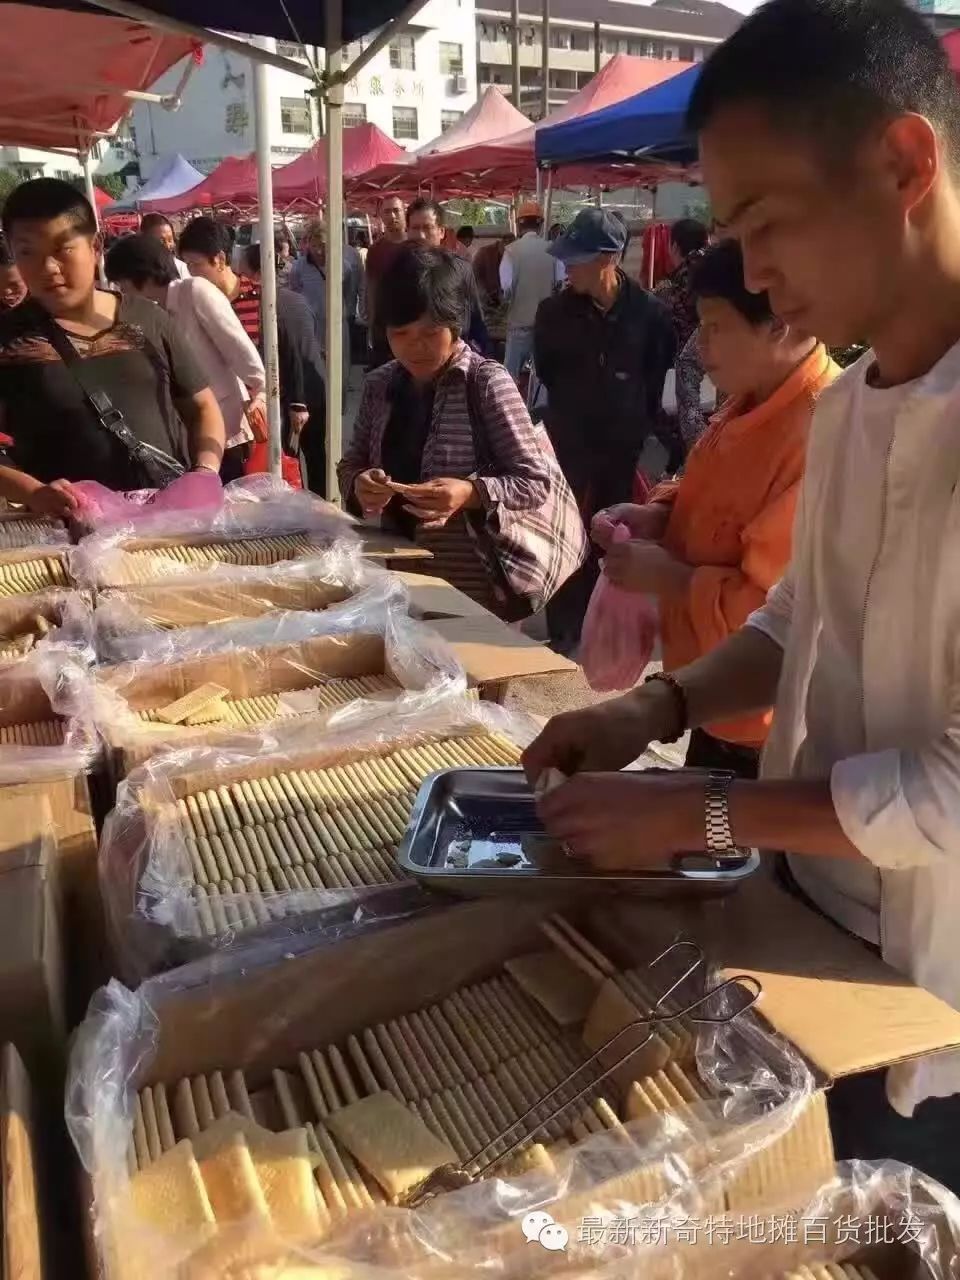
(196, 492)
(618, 633)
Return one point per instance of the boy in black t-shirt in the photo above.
(129, 351)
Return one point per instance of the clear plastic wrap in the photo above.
(707, 1155)
(262, 520)
(195, 494)
(23, 529)
(261, 833)
(39, 736)
(229, 593)
(619, 632)
(194, 684)
(43, 619)
(35, 566)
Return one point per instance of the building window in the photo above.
(403, 53)
(405, 127)
(584, 78)
(528, 35)
(685, 52)
(559, 38)
(451, 59)
(354, 113)
(613, 44)
(448, 119)
(582, 41)
(290, 49)
(699, 53)
(295, 116)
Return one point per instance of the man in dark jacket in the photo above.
(303, 390)
(602, 349)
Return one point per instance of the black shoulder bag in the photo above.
(158, 468)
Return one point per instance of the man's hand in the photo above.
(648, 522)
(435, 501)
(58, 499)
(373, 491)
(298, 420)
(646, 566)
(607, 735)
(627, 821)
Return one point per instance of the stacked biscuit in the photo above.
(253, 841)
(832, 1271)
(18, 577)
(144, 563)
(451, 1078)
(20, 639)
(30, 531)
(227, 710)
(38, 733)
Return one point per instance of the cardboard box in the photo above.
(25, 1221)
(495, 654)
(432, 598)
(172, 604)
(32, 993)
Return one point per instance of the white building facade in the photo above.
(421, 84)
(28, 162)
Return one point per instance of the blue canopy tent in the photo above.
(172, 177)
(650, 124)
(331, 24)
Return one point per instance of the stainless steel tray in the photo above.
(476, 831)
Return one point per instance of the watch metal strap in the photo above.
(719, 835)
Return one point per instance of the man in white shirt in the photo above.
(528, 274)
(830, 143)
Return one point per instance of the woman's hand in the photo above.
(434, 501)
(373, 491)
(648, 522)
(646, 566)
(58, 499)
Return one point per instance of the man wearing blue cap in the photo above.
(602, 348)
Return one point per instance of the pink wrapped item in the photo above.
(618, 632)
(198, 492)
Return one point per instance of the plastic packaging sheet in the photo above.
(125, 618)
(280, 523)
(41, 620)
(619, 631)
(37, 738)
(748, 1091)
(193, 495)
(21, 530)
(258, 833)
(871, 1220)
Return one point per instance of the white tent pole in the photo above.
(268, 275)
(84, 158)
(335, 335)
(548, 203)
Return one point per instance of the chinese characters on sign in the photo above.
(663, 1230)
(238, 117)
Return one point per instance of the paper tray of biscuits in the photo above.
(476, 831)
(277, 1113)
(126, 617)
(197, 684)
(254, 834)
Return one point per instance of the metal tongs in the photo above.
(451, 1177)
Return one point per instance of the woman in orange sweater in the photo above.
(711, 544)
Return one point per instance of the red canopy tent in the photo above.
(509, 163)
(491, 117)
(64, 80)
(233, 181)
(951, 43)
(103, 199)
(304, 179)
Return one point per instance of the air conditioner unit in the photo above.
(459, 84)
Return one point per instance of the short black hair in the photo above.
(151, 220)
(688, 235)
(253, 258)
(719, 274)
(529, 224)
(43, 200)
(420, 283)
(141, 259)
(465, 234)
(423, 205)
(204, 236)
(832, 69)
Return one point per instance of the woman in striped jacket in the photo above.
(444, 451)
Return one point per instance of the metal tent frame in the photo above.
(330, 84)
